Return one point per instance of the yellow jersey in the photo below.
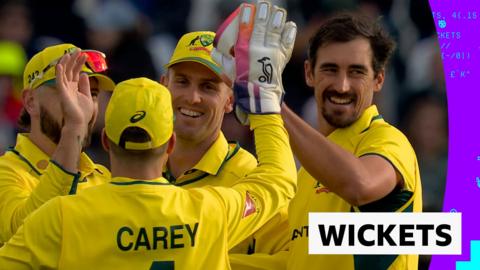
(28, 179)
(135, 224)
(369, 135)
(224, 164)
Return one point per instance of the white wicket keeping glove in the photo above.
(262, 45)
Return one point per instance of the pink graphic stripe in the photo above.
(224, 25)
(241, 49)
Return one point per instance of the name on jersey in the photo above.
(160, 237)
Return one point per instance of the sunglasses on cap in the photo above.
(96, 61)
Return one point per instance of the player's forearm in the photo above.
(276, 165)
(59, 178)
(13, 263)
(17, 202)
(27, 249)
(13, 256)
(331, 165)
(67, 152)
(10, 201)
(271, 184)
(259, 260)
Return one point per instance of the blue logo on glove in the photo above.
(266, 69)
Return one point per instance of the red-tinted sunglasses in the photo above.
(96, 61)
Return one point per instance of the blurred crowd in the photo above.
(138, 38)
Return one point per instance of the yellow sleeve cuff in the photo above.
(257, 120)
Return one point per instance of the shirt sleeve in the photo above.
(272, 237)
(393, 146)
(37, 244)
(259, 261)
(255, 198)
(18, 200)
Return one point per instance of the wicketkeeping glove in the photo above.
(262, 44)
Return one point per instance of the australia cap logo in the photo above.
(205, 40)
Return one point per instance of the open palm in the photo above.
(74, 90)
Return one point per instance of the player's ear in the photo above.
(164, 79)
(230, 100)
(105, 142)
(171, 143)
(29, 102)
(309, 73)
(379, 80)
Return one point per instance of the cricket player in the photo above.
(140, 220)
(355, 161)
(201, 96)
(43, 164)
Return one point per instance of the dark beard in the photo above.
(49, 126)
(53, 130)
(333, 118)
(337, 122)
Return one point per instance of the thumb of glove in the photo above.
(227, 64)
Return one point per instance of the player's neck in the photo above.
(187, 154)
(137, 169)
(324, 127)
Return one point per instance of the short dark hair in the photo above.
(138, 135)
(346, 27)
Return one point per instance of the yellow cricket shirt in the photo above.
(28, 179)
(135, 224)
(369, 135)
(223, 165)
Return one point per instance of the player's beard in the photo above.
(339, 119)
(53, 130)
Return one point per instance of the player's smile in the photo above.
(335, 99)
(339, 105)
(189, 112)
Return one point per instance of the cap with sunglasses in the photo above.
(141, 103)
(41, 67)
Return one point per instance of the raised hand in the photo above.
(74, 91)
(253, 46)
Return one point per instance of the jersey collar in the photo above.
(212, 161)
(38, 160)
(125, 181)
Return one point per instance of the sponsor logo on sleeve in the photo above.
(250, 207)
